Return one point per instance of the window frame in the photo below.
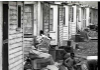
(29, 35)
(51, 19)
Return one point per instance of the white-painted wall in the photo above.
(0, 35)
(54, 33)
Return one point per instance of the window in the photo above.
(51, 19)
(19, 16)
(28, 20)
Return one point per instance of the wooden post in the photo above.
(40, 24)
(80, 18)
(87, 16)
(1, 35)
(66, 15)
(35, 19)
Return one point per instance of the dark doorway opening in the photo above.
(5, 37)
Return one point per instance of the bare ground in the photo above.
(88, 48)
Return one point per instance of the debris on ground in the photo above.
(88, 48)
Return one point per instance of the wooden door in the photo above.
(84, 17)
(5, 37)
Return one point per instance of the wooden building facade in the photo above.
(68, 18)
(11, 35)
(36, 18)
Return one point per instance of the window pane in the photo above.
(28, 20)
(51, 19)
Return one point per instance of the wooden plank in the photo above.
(11, 32)
(12, 51)
(16, 36)
(15, 59)
(13, 3)
(13, 12)
(20, 3)
(18, 67)
(13, 22)
(15, 45)
(13, 17)
(27, 45)
(28, 39)
(21, 68)
(13, 7)
(13, 41)
(15, 55)
(15, 64)
(27, 48)
(12, 27)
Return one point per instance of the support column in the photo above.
(74, 25)
(40, 18)
(35, 19)
(80, 18)
(74, 14)
(87, 16)
(1, 35)
(66, 15)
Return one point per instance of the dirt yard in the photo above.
(88, 48)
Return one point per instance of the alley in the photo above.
(48, 35)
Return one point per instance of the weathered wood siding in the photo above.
(60, 21)
(72, 28)
(65, 33)
(28, 42)
(15, 37)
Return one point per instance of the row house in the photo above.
(11, 35)
(21, 21)
(36, 18)
(61, 20)
(66, 18)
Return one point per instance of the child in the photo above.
(69, 62)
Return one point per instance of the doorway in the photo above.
(5, 37)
